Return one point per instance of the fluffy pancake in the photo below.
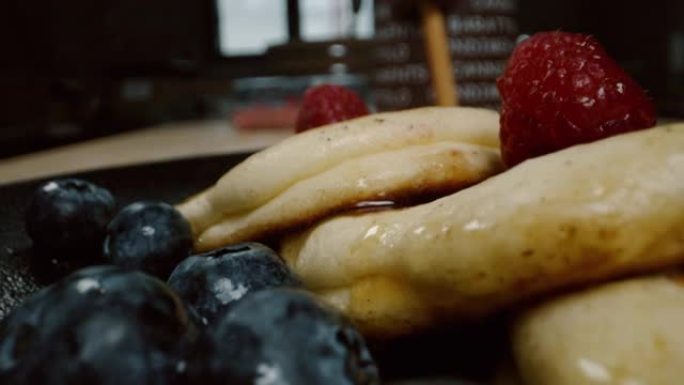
(584, 214)
(621, 333)
(394, 155)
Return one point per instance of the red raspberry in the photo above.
(560, 89)
(328, 103)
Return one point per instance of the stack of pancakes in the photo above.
(453, 236)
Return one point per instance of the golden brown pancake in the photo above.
(585, 214)
(389, 156)
(620, 333)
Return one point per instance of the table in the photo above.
(159, 143)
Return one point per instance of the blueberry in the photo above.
(282, 336)
(66, 220)
(148, 236)
(210, 283)
(98, 326)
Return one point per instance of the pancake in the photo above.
(397, 155)
(620, 333)
(584, 214)
(395, 176)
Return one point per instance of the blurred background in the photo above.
(76, 70)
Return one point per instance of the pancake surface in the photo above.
(620, 333)
(396, 155)
(585, 214)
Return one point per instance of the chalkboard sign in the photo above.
(481, 35)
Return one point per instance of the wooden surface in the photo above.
(438, 55)
(171, 141)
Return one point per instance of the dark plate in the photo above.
(168, 181)
(470, 352)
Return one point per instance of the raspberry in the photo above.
(560, 89)
(328, 103)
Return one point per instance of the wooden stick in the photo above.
(437, 50)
